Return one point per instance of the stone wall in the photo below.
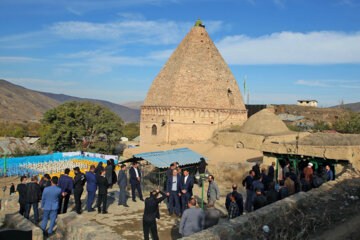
(272, 214)
(77, 227)
(183, 125)
(18, 222)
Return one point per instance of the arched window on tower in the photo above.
(154, 130)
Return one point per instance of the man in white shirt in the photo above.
(186, 186)
(135, 178)
(173, 192)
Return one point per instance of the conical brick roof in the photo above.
(196, 76)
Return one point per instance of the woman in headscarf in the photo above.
(98, 168)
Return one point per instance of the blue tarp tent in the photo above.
(163, 159)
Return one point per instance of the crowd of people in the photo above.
(261, 189)
(54, 193)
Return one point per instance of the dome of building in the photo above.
(265, 123)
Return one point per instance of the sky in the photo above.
(113, 49)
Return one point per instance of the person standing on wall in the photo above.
(135, 178)
(66, 184)
(91, 187)
(79, 182)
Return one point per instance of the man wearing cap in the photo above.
(309, 173)
(79, 182)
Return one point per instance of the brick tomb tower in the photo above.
(194, 94)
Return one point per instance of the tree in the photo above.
(81, 126)
(321, 126)
(349, 124)
(131, 130)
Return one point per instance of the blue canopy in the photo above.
(163, 159)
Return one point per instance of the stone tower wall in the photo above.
(175, 124)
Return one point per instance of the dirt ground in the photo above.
(217, 154)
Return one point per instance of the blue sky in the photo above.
(113, 49)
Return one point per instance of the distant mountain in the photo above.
(352, 106)
(22, 105)
(133, 104)
(126, 113)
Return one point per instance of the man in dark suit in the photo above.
(238, 198)
(21, 188)
(103, 185)
(151, 212)
(79, 182)
(50, 204)
(173, 192)
(186, 186)
(122, 182)
(109, 172)
(271, 172)
(66, 184)
(135, 178)
(33, 197)
(91, 187)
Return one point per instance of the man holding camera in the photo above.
(151, 212)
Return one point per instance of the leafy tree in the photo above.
(19, 132)
(349, 124)
(81, 126)
(131, 130)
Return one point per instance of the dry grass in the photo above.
(331, 139)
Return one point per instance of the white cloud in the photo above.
(315, 83)
(321, 47)
(17, 59)
(74, 11)
(336, 83)
(124, 32)
(133, 29)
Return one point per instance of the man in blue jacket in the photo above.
(50, 204)
(122, 182)
(135, 178)
(66, 184)
(173, 192)
(91, 187)
(186, 186)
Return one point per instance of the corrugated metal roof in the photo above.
(163, 159)
(8, 145)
